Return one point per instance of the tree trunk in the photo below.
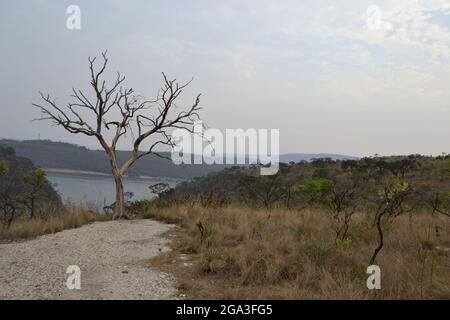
(32, 208)
(380, 240)
(341, 234)
(119, 210)
(288, 199)
(11, 218)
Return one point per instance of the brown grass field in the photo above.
(70, 219)
(239, 253)
(242, 253)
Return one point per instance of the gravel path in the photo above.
(111, 256)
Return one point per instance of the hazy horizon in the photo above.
(334, 76)
(98, 148)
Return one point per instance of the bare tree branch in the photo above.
(117, 110)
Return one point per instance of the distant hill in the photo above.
(61, 155)
(297, 157)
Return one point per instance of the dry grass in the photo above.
(26, 228)
(236, 253)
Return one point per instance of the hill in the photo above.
(297, 157)
(427, 176)
(61, 155)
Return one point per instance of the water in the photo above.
(97, 191)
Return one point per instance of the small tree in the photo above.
(265, 189)
(342, 205)
(349, 165)
(440, 203)
(440, 200)
(3, 169)
(159, 188)
(391, 203)
(447, 166)
(34, 183)
(400, 168)
(8, 203)
(118, 111)
(339, 199)
(315, 191)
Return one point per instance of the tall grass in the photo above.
(24, 228)
(240, 253)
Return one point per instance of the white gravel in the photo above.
(111, 256)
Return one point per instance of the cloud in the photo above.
(340, 64)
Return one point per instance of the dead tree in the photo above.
(115, 111)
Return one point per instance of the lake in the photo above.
(98, 190)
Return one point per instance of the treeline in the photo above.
(385, 187)
(306, 184)
(25, 192)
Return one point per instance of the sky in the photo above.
(349, 77)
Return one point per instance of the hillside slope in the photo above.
(60, 155)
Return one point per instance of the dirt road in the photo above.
(111, 257)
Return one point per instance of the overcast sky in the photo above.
(333, 76)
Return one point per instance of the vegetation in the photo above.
(311, 230)
(391, 204)
(3, 169)
(308, 232)
(24, 190)
(34, 182)
(69, 218)
(238, 253)
(29, 204)
(339, 187)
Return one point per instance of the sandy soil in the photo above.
(111, 255)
